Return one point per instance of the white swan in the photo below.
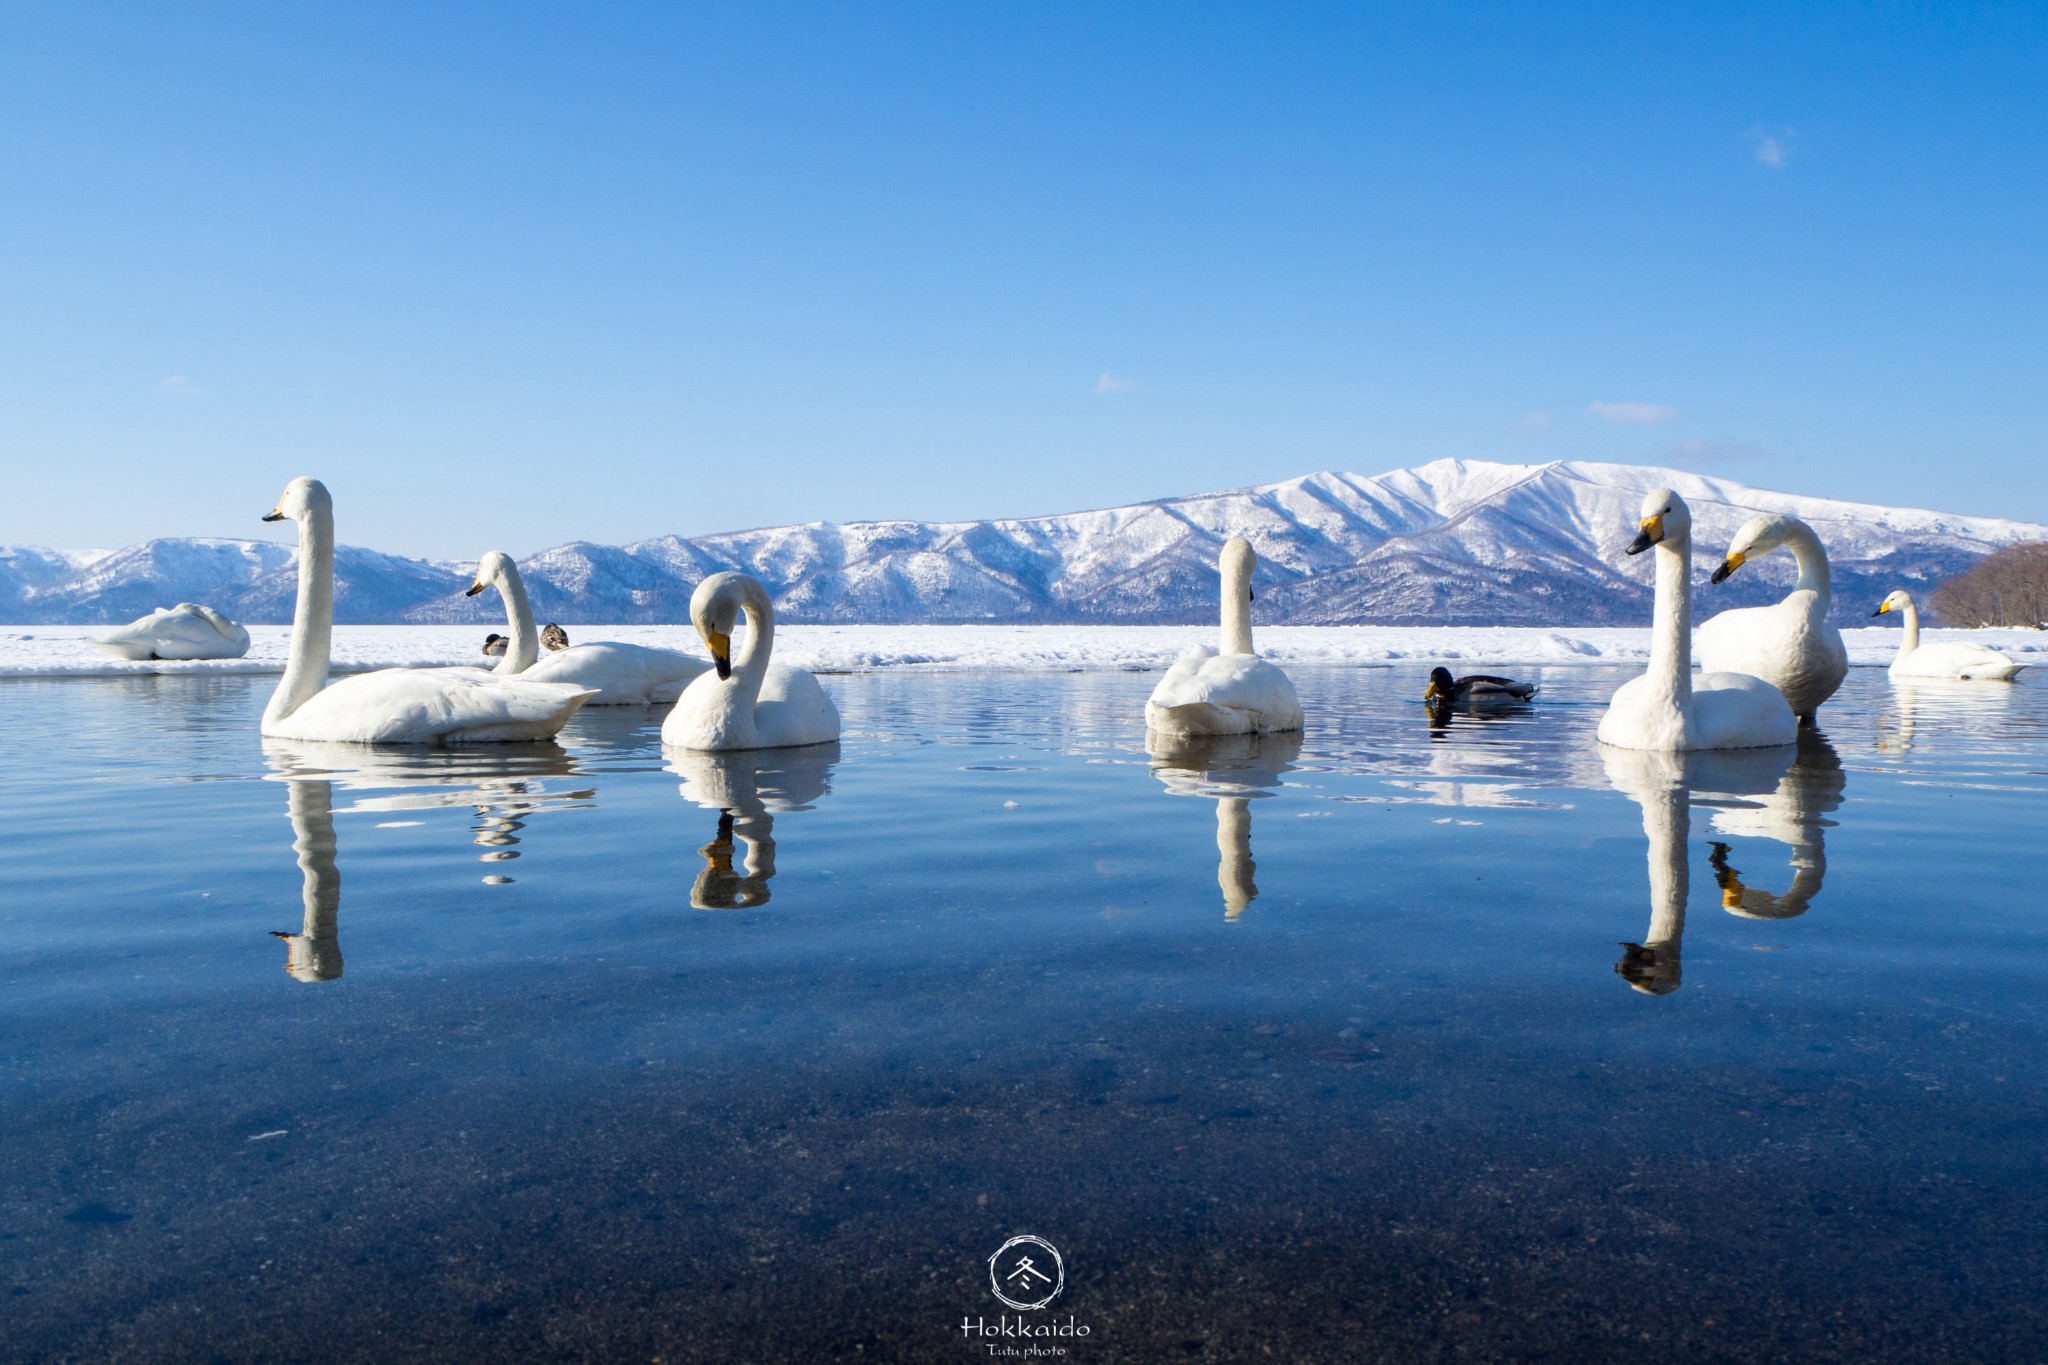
(1231, 691)
(186, 631)
(749, 703)
(1668, 709)
(1955, 660)
(622, 674)
(392, 705)
(1788, 644)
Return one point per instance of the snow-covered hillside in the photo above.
(1453, 542)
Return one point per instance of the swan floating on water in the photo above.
(1667, 708)
(747, 702)
(1955, 660)
(1788, 644)
(186, 631)
(1230, 691)
(391, 705)
(621, 674)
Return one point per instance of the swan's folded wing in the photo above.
(621, 673)
(413, 706)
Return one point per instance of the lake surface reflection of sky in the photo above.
(1407, 1037)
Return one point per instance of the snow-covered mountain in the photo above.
(1453, 542)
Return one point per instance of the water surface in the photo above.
(1399, 1040)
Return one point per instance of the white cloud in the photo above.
(1772, 149)
(1114, 383)
(1536, 421)
(178, 386)
(1629, 414)
(1697, 450)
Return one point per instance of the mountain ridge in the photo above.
(1447, 542)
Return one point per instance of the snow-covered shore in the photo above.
(66, 651)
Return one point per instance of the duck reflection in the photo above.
(1235, 770)
(504, 785)
(748, 787)
(314, 953)
(1761, 792)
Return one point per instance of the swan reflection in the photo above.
(504, 785)
(1235, 770)
(748, 787)
(1966, 706)
(314, 953)
(1753, 793)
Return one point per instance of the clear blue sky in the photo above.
(508, 274)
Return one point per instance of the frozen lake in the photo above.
(1398, 1042)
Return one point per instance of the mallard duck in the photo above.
(553, 636)
(494, 645)
(1474, 689)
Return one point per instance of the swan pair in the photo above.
(621, 674)
(752, 705)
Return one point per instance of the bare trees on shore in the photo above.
(2008, 587)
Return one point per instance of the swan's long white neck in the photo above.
(1670, 672)
(1813, 563)
(524, 647)
(750, 664)
(1237, 605)
(305, 669)
(1909, 638)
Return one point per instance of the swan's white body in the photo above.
(745, 702)
(392, 705)
(1668, 709)
(186, 631)
(1952, 660)
(1790, 643)
(1227, 691)
(620, 674)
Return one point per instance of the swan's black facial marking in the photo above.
(273, 515)
(1728, 566)
(473, 589)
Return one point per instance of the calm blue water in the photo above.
(1403, 1041)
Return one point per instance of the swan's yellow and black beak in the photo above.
(1649, 531)
(1882, 608)
(720, 645)
(274, 514)
(475, 588)
(1729, 565)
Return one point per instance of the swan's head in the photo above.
(1758, 536)
(301, 496)
(1899, 600)
(715, 609)
(1651, 968)
(1237, 562)
(553, 636)
(494, 567)
(1440, 684)
(1663, 517)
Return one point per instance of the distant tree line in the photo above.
(2008, 587)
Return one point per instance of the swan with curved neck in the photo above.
(745, 702)
(1667, 708)
(1955, 660)
(1789, 644)
(621, 674)
(391, 705)
(1227, 691)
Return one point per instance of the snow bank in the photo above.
(65, 651)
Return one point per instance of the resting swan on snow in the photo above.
(1667, 708)
(622, 674)
(1956, 660)
(1789, 644)
(186, 631)
(391, 705)
(1230, 691)
(748, 703)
